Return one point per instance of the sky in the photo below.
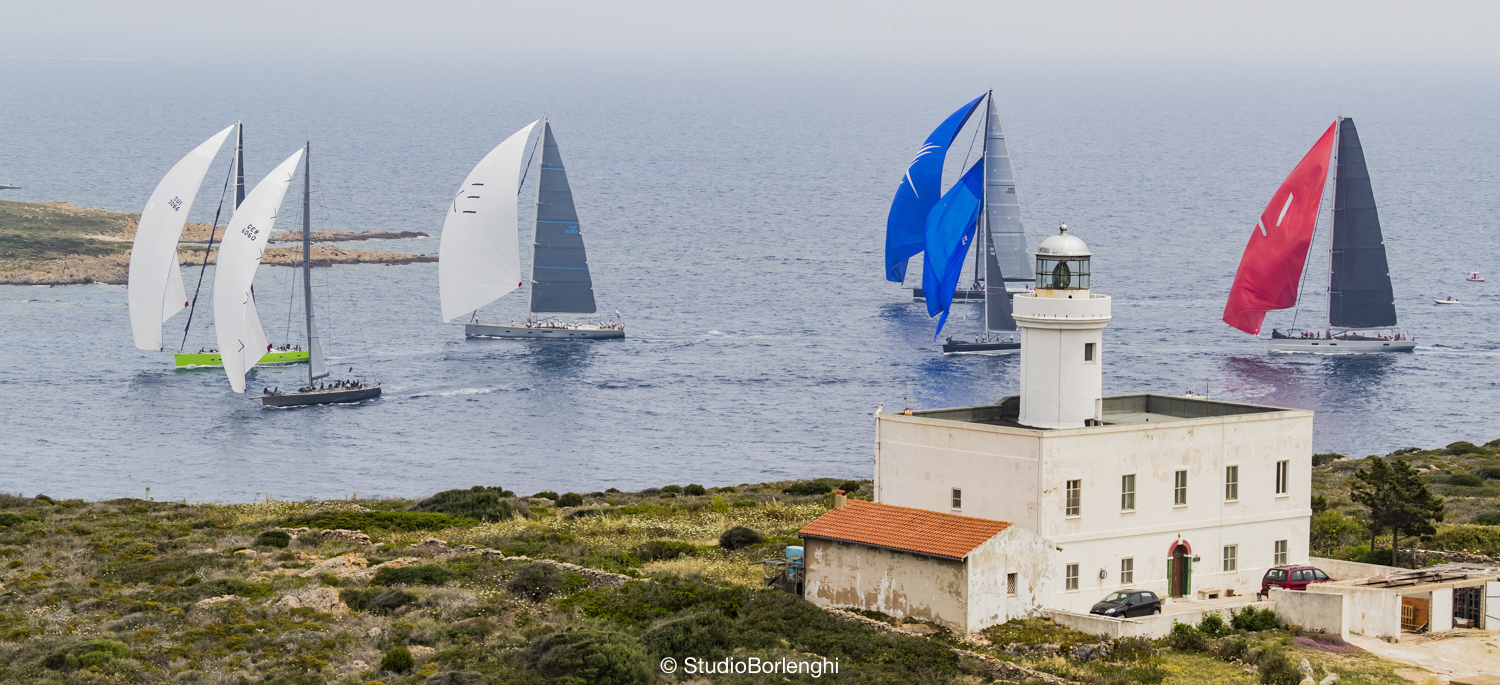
(461, 33)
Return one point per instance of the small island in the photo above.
(57, 243)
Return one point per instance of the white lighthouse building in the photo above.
(1182, 496)
(1062, 338)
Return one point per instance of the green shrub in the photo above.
(739, 537)
(571, 499)
(44, 498)
(672, 489)
(1493, 444)
(157, 571)
(587, 657)
(9, 519)
(1186, 638)
(1476, 539)
(418, 574)
(86, 654)
(1463, 447)
(479, 503)
(1488, 519)
(537, 581)
(1233, 648)
(726, 488)
(695, 490)
(1322, 459)
(706, 635)
(637, 603)
(720, 504)
(611, 490)
(1253, 620)
(746, 504)
(1490, 473)
(546, 494)
(273, 538)
(1467, 480)
(850, 486)
(376, 600)
(1212, 626)
(384, 520)
(192, 592)
(663, 550)
(397, 660)
(808, 488)
(1276, 668)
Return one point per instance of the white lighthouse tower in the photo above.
(1062, 338)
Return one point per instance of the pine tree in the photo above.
(1398, 500)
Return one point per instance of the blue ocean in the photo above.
(735, 218)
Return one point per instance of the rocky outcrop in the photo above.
(343, 566)
(321, 599)
(211, 601)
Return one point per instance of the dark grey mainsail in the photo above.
(997, 304)
(1359, 279)
(1002, 208)
(560, 282)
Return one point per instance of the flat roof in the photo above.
(1119, 410)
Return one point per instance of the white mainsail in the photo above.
(242, 341)
(156, 291)
(479, 258)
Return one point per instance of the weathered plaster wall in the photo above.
(919, 461)
(1313, 610)
(896, 583)
(1016, 551)
(1372, 612)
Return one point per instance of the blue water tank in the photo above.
(794, 551)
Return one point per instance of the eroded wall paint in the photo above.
(895, 583)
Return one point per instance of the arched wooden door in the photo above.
(1180, 572)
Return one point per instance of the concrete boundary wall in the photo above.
(1372, 612)
(1313, 610)
(1141, 626)
(1353, 570)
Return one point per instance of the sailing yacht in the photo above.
(236, 322)
(1361, 316)
(1003, 242)
(155, 280)
(479, 256)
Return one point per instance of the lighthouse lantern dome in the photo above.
(1062, 262)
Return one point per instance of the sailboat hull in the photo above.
(959, 295)
(333, 396)
(212, 359)
(582, 332)
(1307, 346)
(981, 348)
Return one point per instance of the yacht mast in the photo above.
(983, 246)
(239, 163)
(307, 259)
(1333, 171)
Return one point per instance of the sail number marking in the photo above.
(250, 231)
(175, 203)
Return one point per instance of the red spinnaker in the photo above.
(1273, 261)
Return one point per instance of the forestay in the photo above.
(242, 341)
(156, 291)
(479, 258)
(1359, 279)
(560, 280)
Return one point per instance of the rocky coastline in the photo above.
(57, 243)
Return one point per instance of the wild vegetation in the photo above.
(482, 586)
(1444, 499)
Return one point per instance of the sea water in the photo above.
(735, 219)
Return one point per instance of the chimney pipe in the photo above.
(839, 499)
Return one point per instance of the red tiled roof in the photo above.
(903, 528)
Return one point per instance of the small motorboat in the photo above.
(1447, 300)
(1474, 277)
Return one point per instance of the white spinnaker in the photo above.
(479, 258)
(156, 291)
(242, 341)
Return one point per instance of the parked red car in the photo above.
(1292, 577)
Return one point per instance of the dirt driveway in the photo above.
(1448, 654)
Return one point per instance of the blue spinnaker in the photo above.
(919, 191)
(950, 232)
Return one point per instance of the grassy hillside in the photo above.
(1466, 475)
(40, 231)
(481, 586)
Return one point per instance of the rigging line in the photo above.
(529, 157)
(213, 228)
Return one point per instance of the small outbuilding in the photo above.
(961, 572)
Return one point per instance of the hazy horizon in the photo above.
(956, 35)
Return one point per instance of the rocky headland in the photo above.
(57, 243)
